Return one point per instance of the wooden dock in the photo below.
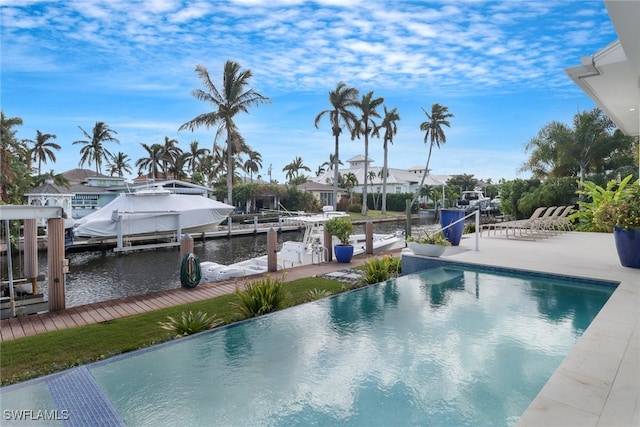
(22, 326)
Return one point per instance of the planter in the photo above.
(344, 253)
(628, 246)
(426, 249)
(454, 233)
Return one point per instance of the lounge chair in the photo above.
(549, 221)
(526, 227)
(562, 222)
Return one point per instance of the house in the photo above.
(398, 180)
(322, 192)
(611, 76)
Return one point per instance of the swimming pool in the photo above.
(453, 345)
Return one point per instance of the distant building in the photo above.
(398, 180)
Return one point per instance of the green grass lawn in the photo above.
(42, 354)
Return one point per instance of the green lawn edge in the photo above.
(34, 356)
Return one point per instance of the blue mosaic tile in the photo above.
(76, 393)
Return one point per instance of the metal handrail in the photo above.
(477, 232)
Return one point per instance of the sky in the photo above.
(497, 65)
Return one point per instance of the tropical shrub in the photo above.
(261, 296)
(596, 196)
(316, 293)
(622, 211)
(431, 239)
(380, 269)
(189, 323)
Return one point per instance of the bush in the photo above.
(378, 270)
(261, 297)
(341, 227)
(355, 208)
(190, 323)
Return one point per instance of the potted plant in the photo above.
(429, 245)
(621, 213)
(342, 228)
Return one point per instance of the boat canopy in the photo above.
(155, 211)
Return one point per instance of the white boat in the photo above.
(311, 250)
(473, 200)
(152, 211)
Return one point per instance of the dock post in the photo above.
(272, 253)
(186, 245)
(229, 226)
(55, 258)
(368, 236)
(255, 225)
(31, 252)
(327, 244)
(407, 225)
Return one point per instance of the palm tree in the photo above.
(293, 169)
(153, 162)
(341, 99)
(349, 182)
(57, 178)
(234, 98)
(253, 163)
(390, 129)
(119, 164)
(195, 155)
(364, 126)
(93, 150)
(13, 153)
(433, 133)
(170, 153)
(42, 148)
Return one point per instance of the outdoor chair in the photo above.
(562, 221)
(524, 227)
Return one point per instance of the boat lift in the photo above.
(57, 265)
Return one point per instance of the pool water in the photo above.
(448, 346)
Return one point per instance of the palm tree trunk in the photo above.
(366, 164)
(229, 173)
(383, 208)
(424, 175)
(335, 177)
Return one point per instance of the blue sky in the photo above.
(498, 66)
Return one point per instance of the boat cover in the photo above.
(152, 212)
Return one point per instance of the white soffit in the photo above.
(611, 77)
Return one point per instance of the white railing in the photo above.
(477, 232)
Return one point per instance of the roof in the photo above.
(78, 176)
(610, 76)
(49, 188)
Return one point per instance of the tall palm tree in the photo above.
(93, 149)
(364, 126)
(153, 162)
(195, 156)
(43, 149)
(434, 134)
(170, 153)
(119, 164)
(390, 129)
(234, 98)
(293, 169)
(253, 163)
(341, 99)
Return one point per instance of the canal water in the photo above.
(103, 275)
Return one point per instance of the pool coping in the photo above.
(598, 383)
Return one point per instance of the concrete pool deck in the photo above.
(598, 384)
